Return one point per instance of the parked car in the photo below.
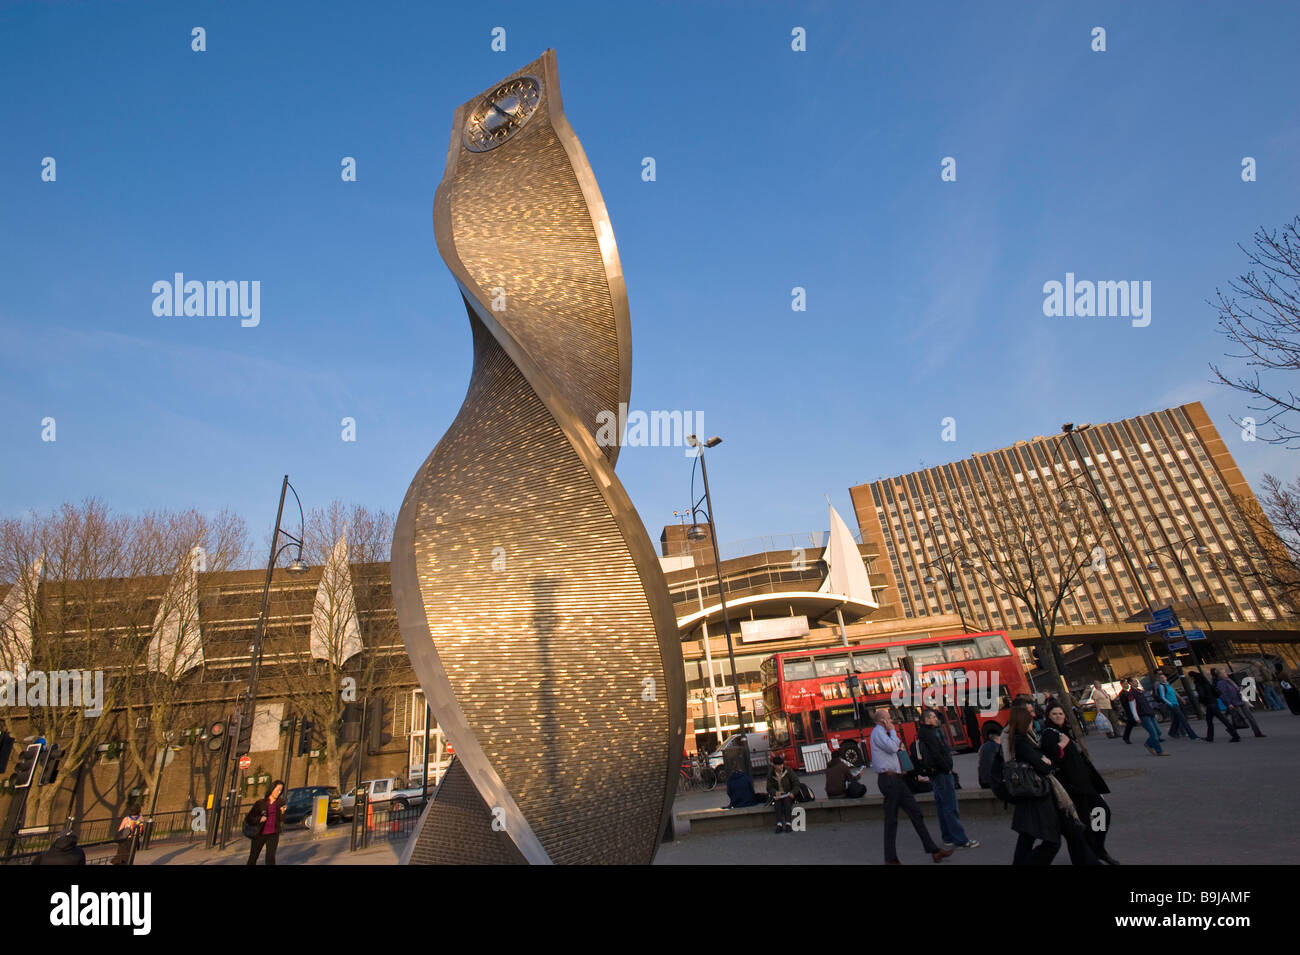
(390, 793)
(300, 800)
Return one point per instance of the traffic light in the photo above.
(217, 735)
(51, 770)
(6, 747)
(379, 728)
(243, 720)
(350, 730)
(304, 739)
(26, 768)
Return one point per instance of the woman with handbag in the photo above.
(1043, 811)
(1034, 818)
(1082, 782)
(265, 822)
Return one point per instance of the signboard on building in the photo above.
(776, 628)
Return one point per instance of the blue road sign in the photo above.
(1159, 625)
(1195, 634)
(1163, 615)
(1177, 644)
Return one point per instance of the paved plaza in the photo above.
(1220, 803)
(1223, 803)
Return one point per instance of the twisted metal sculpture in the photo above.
(529, 597)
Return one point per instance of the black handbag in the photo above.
(1022, 781)
(802, 793)
(251, 830)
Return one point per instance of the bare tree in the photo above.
(349, 630)
(1269, 531)
(1033, 544)
(1260, 315)
(90, 603)
(161, 676)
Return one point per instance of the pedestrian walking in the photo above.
(1083, 783)
(128, 831)
(1288, 683)
(1209, 698)
(265, 822)
(781, 784)
(1142, 712)
(1105, 710)
(1178, 722)
(65, 851)
(885, 746)
(1267, 686)
(936, 763)
(1230, 693)
(1045, 819)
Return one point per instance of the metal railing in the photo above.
(387, 825)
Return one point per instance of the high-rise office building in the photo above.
(1168, 482)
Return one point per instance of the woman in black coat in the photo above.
(1034, 818)
(1080, 778)
(267, 815)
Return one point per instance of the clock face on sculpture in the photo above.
(502, 113)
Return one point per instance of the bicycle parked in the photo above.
(696, 774)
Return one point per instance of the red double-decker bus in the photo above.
(809, 700)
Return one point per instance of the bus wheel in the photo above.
(851, 753)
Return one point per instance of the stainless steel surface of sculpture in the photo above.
(529, 597)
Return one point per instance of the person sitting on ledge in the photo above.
(841, 781)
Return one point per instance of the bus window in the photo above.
(960, 652)
(839, 719)
(926, 654)
(831, 666)
(800, 669)
(993, 646)
(815, 720)
(871, 662)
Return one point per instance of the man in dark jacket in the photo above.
(988, 752)
(840, 779)
(937, 764)
(65, 851)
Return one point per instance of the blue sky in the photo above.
(775, 169)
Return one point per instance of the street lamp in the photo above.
(248, 701)
(1180, 550)
(948, 571)
(695, 534)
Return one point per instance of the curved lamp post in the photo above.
(695, 534)
(247, 703)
